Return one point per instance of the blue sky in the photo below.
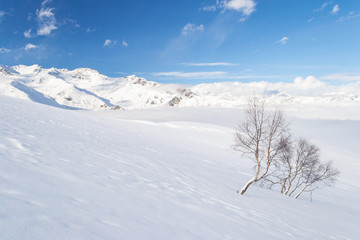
(187, 41)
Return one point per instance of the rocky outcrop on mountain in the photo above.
(6, 71)
(140, 81)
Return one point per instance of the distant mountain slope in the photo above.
(85, 88)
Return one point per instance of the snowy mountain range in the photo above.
(85, 88)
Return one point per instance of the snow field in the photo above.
(158, 174)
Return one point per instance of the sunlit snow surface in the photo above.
(165, 173)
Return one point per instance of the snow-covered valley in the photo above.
(160, 173)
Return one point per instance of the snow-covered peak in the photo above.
(86, 73)
(27, 70)
(85, 88)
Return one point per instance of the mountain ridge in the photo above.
(86, 88)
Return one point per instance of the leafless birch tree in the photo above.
(295, 166)
(261, 138)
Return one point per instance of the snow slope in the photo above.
(158, 174)
(85, 88)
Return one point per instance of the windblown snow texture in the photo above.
(158, 174)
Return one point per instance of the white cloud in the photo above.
(335, 9)
(45, 2)
(2, 15)
(323, 6)
(191, 75)
(46, 22)
(4, 50)
(90, 30)
(46, 19)
(350, 15)
(210, 8)
(28, 34)
(246, 7)
(218, 75)
(342, 77)
(109, 43)
(125, 44)
(71, 22)
(190, 28)
(308, 83)
(188, 37)
(210, 64)
(30, 46)
(311, 19)
(283, 41)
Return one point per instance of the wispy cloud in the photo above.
(349, 16)
(125, 44)
(46, 19)
(283, 41)
(109, 43)
(210, 64)
(224, 23)
(28, 34)
(30, 46)
(335, 9)
(323, 6)
(2, 14)
(191, 75)
(71, 22)
(218, 75)
(311, 19)
(45, 2)
(4, 50)
(191, 28)
(188, 36)
(341, 77)
(209, 8)
(88, 30)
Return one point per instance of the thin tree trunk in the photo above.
(283, 186)
(302, 190)
(247, 185)
(255, 179)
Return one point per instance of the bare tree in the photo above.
(297, 162)
(323, 174)
(261, 138)
(299, 169)
(295, 166)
